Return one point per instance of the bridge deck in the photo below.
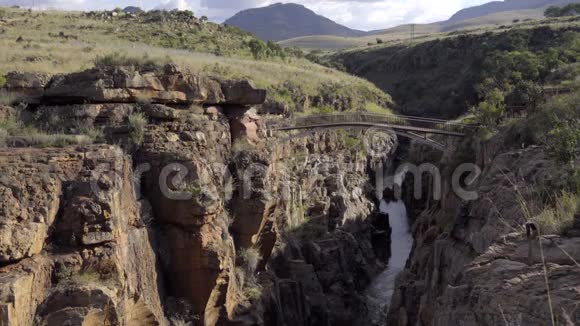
(395, 122)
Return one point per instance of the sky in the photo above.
(358, 14)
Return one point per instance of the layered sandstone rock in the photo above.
(98, 265)
(157, 232)
(472, 262)
(170, 85)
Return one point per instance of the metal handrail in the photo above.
(398, 121)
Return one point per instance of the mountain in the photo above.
(283, 21)
(501, 6)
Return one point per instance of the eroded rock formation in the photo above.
(160, 227)
(473, 262)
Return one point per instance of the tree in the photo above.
(525, 94)
(572, 9)
(258, 48)
(552, 11)
(491, 111)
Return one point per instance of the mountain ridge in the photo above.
(501, 6)
(283, 21)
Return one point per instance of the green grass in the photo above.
(99, 42)
(375, 108)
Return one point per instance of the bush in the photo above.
(490, 112)
(258, 49)
(137, 124)
(120, 59)
(572, 9)
(559, 218)
(2, 81)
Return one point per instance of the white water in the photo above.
(381, 290)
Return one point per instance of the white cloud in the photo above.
(360, 14)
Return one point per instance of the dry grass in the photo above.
(96, 41)
(137, 123)
(559, 218)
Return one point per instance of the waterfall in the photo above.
(381, 290)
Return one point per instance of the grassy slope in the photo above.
(190, 46)
(403, 33)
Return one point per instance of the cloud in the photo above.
(360, 14)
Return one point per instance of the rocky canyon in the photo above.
(193, 216)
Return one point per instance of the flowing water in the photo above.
(381, 290)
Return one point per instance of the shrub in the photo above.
(2, 81)
(120, 59)
(490, 112)
(559, 218)
(564, 142)
(137, 124)
(245, 273)
(556, 125)
(571, 9)
(258, 49)
(248, 283)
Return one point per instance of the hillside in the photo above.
(441, 77)
(284, 21)
(488, 16)
(501, 6)
(62, 42)
(423, 32)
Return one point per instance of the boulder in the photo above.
(26, 80)
(160, 112)
(26, 86)
(242, 92)
(245, 123)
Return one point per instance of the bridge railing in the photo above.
(372, 118)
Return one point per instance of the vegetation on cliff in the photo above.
(444, 78)
(61, 42)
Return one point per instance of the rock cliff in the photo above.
(481, 262)
(182, 210)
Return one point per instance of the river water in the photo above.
(381, 290)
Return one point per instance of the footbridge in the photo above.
(416, 128)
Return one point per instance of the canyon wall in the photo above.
(480, 261)
(186, 212)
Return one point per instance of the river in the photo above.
(381, 290)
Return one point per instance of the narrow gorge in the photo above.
(195, 215)
(142, 193)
